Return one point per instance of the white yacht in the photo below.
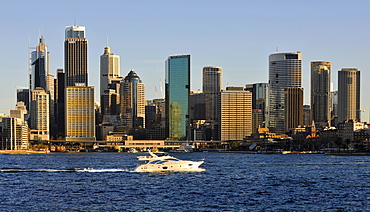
(162, 162)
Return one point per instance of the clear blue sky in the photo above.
(236, 35)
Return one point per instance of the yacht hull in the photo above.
(178, 166)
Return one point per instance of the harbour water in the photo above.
(231, 182)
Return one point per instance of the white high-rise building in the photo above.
(15, 134)
(40, 114)
(285, 70)
(109, 69)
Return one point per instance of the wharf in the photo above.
(17, 152)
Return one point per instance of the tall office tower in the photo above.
(320, 93)
(177, 92)
(197, 106)
(50, 86)
(349, 95)
(212, 85)
(109, 68)
(259, 103)
(293, 107)
(80, 113)
(75, 55)
(285, 70)
(236, 114)
(133, 101)
(40, 66)
(59, 103)
(40, 115)
(14, 133)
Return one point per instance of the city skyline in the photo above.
(237, 36)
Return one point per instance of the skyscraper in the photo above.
(259, 103)
(293, 107)
(236, 114)
(285, 70)
(40, 66)
(80, 113)
(349, 95)
(212, 85)
(79, 97)
(75, 55)
(133, 101)
(60, 106)
(109, 68)
(177, 89)
(320, 92)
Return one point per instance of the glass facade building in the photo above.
(177, 88)
(285, 70)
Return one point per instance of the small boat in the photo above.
(162, 162)
(132, 150)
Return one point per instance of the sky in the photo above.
(235, 35)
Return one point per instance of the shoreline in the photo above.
(18, 152)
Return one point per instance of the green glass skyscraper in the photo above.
(177, 87)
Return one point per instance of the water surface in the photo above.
(231, 182)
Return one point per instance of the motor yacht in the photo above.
(162, 162)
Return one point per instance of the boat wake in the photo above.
(12, 170)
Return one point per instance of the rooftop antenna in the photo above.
(277, 49)
(107, 41)
(75, 21)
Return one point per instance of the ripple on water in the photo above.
(231, 182)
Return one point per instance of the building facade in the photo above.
(109, 68)
(236, 114)
(177, 92)
(40, 113)
(293, 108)
(14, 134)
(349, 95)
(285, 70)
(80, 113)
(75, 55)
(133, 101)
(212, 85)
(40, 66)
(320, 93)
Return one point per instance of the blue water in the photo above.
(231, 182)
